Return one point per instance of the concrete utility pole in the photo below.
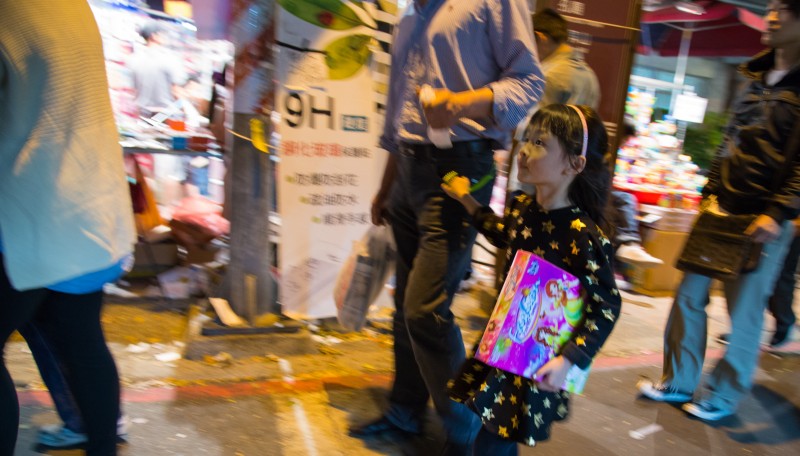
(251, 288)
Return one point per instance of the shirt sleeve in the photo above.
(491, 226)
(521, 82)
(593, 267)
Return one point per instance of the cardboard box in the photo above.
(202, 254)
(664, 279)
(159, 254)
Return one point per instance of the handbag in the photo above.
(718, 248)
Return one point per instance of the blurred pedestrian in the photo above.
(66, 222)
(480, 60)
(756, 171)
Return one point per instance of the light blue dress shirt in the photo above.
(463, 45)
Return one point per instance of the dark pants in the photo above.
(72, 323)
(780, 303)
(434, 242)
(53, 371)
(490, 444)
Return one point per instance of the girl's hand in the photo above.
(457, 187)
(553, 374)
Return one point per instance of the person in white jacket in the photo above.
(66, 224)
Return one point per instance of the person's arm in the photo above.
(520, 83)
(378, 209)
(602, 301)
(489, 224)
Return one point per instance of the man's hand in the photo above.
(378, 209)
(444, 110)
(553, 374)
(763, 229)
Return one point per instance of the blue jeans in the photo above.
(685, 335)
(434, 239)
(782, 299)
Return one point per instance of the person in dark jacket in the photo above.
(756, 171)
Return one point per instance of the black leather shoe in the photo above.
(378, 427)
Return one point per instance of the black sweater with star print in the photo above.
(571, 240)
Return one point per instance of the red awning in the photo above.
(723, 30)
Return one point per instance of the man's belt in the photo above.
(431, 152)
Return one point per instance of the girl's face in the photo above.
(542, 160)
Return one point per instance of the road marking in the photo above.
(299, 412)
(642, 432)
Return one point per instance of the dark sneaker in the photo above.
(706, 411)
(781, 337)
(662, 393)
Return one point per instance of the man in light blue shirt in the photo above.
(480, 58)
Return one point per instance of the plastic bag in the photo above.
(363, 275)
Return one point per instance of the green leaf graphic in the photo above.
(347, 55)
(329, 14)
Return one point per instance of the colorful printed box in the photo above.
(536, 313)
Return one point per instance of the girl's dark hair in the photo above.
(589, 190)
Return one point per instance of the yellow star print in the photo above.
(537, 419)
(484, 387)
(526, 409)
(515, 213)
(575, 249)
(592, 265)
(562, 411)
(513, 400)
(477, 367)
(548, 226)
(469, 378)
(502, 431)
(538, 251)
(515, 422)
(608, 314)
(591, 325)
(487, 413)
(518, 381)
(526, 233)
(615, 292)
(568, 261)
(499, 398)
(591, 279)
(512, 235)
(530, 442)
(577, 224)
(546, 402)
(554, 245)
(450, 384)
(580, 341)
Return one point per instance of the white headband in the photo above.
(585, 130)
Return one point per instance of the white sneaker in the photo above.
(706, 411)
(635, 254)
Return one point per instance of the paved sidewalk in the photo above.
(296, 394)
